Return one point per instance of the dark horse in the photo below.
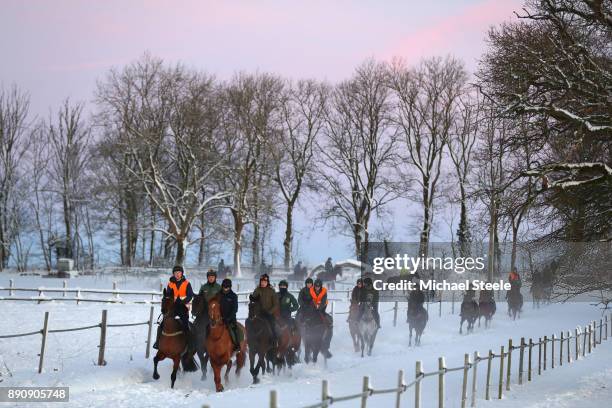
(329, 277)
(289, 341)
(353, 321)
(315, 333)
(469, 313)
(417, 320)
(219, 344)
(260, 338)
(487, 307)
(198, 309)
(172, 342)
(515, 303)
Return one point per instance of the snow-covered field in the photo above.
(126, 379)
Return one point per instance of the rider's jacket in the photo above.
(210, 290)
(319, 299)
(229, 305)
(287, 303)
(181, 289)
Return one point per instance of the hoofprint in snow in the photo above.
(126, 381)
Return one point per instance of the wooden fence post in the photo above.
(115, 294)
(40, 292)
(273, 399)
(577, 338)
(474, 377)
(589, 336)
(78, 296)
(64, 285)
(453, 302)
(569, 354)
(545, 353)
(324, 394)
(539, 356)
(508, 371)
(102, 339)
(584, 339)
(521, 357)
(501, 373)
(529, 359)
(606, 323)
(600, 330)
(332, 308)
(594, 331)
(442, 369)
(552, 352)
(395, 307)
(45, 329)
(489, 361)
(561, 350)
(149, 331)
(11, 286)
(417, 385)
(366, 391)
(440, 310)
(466, 368)
(400, 385)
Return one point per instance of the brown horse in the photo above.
(219, 345)
(289, 341)
(172, 342)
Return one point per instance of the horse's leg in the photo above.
(175, 366)
(227, 370)
(362, 342)
(252, 368)
(410, 336)
(158, 357)
(217, 373)
(203, 363)
(240, 359)
(461, 326)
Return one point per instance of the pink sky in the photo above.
(59, 48)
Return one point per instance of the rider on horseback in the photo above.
(369, 294)
(288, 303)
(318, 294)
(181, 291)
(229, 307)
(211, 287)
(357, 292)
(268, 301)
(416, 298)
(515, 280)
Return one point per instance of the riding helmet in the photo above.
(318, 282)
(367, 281)
(308, 280)
(211, 273)
(283, 283)
(178, 268)
(227, 283)
(359, 281)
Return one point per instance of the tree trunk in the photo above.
(201, 252)
(121, 245)
(67, 224)
(463, 234)
(238, 227)
(180, 251)
(152, 247)
(492, 234)
(288, 242)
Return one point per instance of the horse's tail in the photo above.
(188, 362)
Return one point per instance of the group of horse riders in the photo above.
(312, 299)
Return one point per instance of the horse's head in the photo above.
(367, 311)
(167, 303)
(198, 305)
(254, 307)
(214, 311)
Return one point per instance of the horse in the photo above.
(367, 328)
(289, 341)
(219, 345)
(353, 321)
(487, 307)
(315, 333)
(515, 303)
(172, 342)
(469, 313)
(329, 277)
(198, 309)
(417, 320)
(260, 339)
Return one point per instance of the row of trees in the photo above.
(173, 158)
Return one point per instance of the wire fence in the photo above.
(581, 342)
(103, 326)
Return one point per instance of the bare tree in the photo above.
(14, 128)
(426, 99)
(358, 153)
(303, 117)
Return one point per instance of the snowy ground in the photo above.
(126, 379)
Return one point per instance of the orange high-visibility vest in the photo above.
(181, 291)
(318, 298)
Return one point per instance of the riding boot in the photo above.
(159, 330)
